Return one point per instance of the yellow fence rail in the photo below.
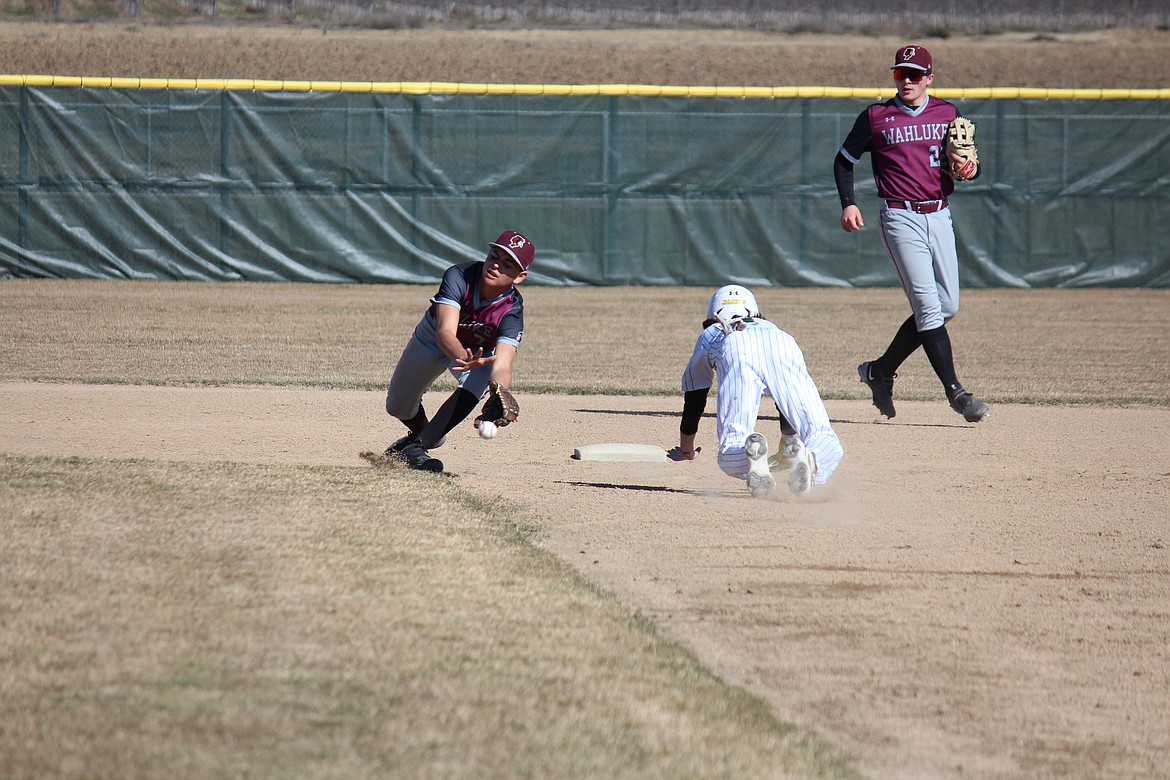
(639, 90)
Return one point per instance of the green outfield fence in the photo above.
(616, 184)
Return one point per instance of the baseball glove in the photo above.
(961, 141)
(500, 407)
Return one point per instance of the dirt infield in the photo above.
(961, 601)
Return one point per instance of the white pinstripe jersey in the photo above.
(749, 362)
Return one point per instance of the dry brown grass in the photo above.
(1031, 346)
(170, 620)
(578, 56)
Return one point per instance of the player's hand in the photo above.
(965, 166)
(472, 360)
(677, 454)
(851, 219)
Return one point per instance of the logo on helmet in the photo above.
(731, 302)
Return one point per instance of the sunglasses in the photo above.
(912, 74)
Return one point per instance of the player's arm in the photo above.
(508, 337)
(447, 334)
(843, 175)
(696, 384)
(856, 144)
(503, 359)
(694, 402)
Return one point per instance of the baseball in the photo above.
(487, 429)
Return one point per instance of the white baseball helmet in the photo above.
(732, 301)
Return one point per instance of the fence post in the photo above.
(225, 227)
(608, 162)
(806, 151)
(416, 188)
(23, 176)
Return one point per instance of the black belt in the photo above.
(918, 206)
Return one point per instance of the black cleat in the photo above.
(880, 385)
(417, 457)
(972, 409)
(397, 447)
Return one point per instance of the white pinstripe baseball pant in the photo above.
(749, 362)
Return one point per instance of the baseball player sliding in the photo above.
(915, 169)
(751, 358)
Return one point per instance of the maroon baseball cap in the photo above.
(913, 56)
(518, 246)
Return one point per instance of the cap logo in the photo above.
(516, 242)
(908, 53)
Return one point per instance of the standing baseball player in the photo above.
(906, 139)
(751, 358)
(472, 329)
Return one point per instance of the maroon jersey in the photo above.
(907, 147)
(481, 323)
